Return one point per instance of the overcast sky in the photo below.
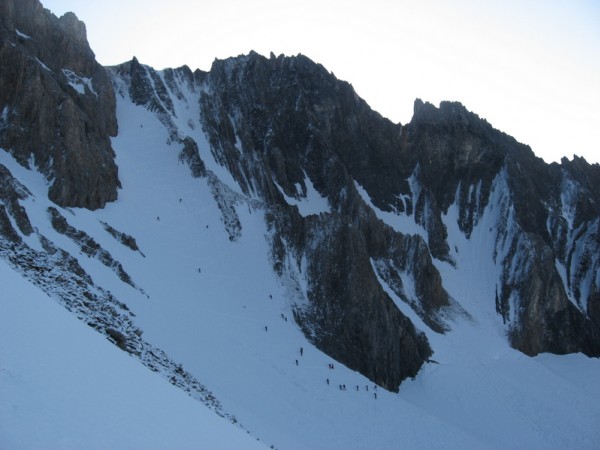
(530, 67)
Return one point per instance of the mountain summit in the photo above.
(284, 127)
(263, 206)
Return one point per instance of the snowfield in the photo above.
(215, 306)
(62, 386)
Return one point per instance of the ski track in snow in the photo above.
(209, 301)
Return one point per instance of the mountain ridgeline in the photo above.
(401, 199)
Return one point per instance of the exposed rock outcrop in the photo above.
(306, 126)
(57, 105)
(299, 126)
(11, 191)
(285, 126)
(548, 223)
(285, 129)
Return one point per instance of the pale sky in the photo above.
(529, 67)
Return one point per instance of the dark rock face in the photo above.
(278, 125)
(349, 316)
(299, 125)
(11, 191)
(283, 125)
(303, 124)
(57, 106)
(550, 216)
(286, 130)
(454, 150)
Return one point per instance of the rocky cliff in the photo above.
(365, 217)
(296, 131)
(546, 236)
(285, 129)
(57, 106)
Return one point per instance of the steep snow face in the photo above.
(64, 387)
(477, 276)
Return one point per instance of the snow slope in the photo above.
(215, 306)
(62, 386)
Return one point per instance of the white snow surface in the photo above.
(216, 307)
(78, 82)
(310, 203)
(21, 34)
(63, 386)
(43, 65)
(401, 222)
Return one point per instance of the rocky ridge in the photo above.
(461, 160)
(285, 128)
(299, 127)
(345, 311)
